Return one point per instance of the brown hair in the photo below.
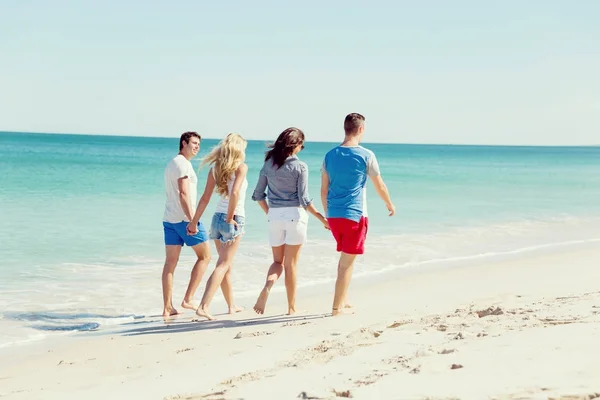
(353, 122)
(186, 136)
(284, 146)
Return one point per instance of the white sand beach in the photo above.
(524, 328)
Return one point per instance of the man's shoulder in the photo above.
(332, 152)
(357, 150)
(179, 163)
(364, 151)
(180, 160)
(172, 163)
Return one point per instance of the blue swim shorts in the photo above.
(176, 234)
(221, 230)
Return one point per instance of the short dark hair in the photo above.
(353, 122)
(284, 146)
(186, 136)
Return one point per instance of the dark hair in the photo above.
(186, 136)
(353, 122)
(284, 146)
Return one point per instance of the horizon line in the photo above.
(312, 141)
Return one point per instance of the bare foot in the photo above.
(169, 312)
(291, 311)
(347, 305)
(261, 302)
(235, 309)
(203, 312)
(340, 311)
(190, 305)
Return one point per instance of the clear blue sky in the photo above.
(463, 71)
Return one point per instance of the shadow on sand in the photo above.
(174, 326)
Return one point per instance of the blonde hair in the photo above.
(225, 159)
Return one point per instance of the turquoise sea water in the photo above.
(81, 234)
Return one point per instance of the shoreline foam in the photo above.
(362, 276)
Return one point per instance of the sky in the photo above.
(460, 72)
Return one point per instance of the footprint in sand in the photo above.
(364, 333)
(184, 350)
(447, 351)
(342, 393)
(295, 323)
(489, 311)
(241, 335)
(306, 396)
(397, 324)
(589, 396)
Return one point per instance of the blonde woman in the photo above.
(227, 177)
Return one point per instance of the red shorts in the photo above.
(349, 235)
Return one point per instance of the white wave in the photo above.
(122, 291)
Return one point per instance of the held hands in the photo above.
(192, 228)
(325, 223)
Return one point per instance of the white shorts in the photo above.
(287, 225)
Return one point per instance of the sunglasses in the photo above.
(302, 147)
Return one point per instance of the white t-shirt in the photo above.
(223, 205)
(177, 168)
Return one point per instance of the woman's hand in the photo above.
(192, 228)
(325, 223)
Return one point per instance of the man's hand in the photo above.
(391, 208)
(191, 229)
(383, 193)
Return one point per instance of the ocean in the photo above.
(81, 245)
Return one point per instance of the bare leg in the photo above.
(342, 283)
(227, 286)
(292, 253)
(202, 251)
(172, 256)
(223, 265)
(275, 271)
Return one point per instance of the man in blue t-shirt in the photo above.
(343, 193)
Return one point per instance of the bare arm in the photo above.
(303, 197)
(382, 192)
(234, 196)
(184, 188)
(259, 191)
(204, 200)
(264, 205)
(313, 210)
(324, 189)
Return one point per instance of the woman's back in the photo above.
(286, 186)
(223, 204)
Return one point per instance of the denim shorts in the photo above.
(221, 230)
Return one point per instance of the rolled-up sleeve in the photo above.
(303, 196)
(261, 186)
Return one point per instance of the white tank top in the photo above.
(223, 205)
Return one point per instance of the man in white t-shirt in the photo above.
(181, 185)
